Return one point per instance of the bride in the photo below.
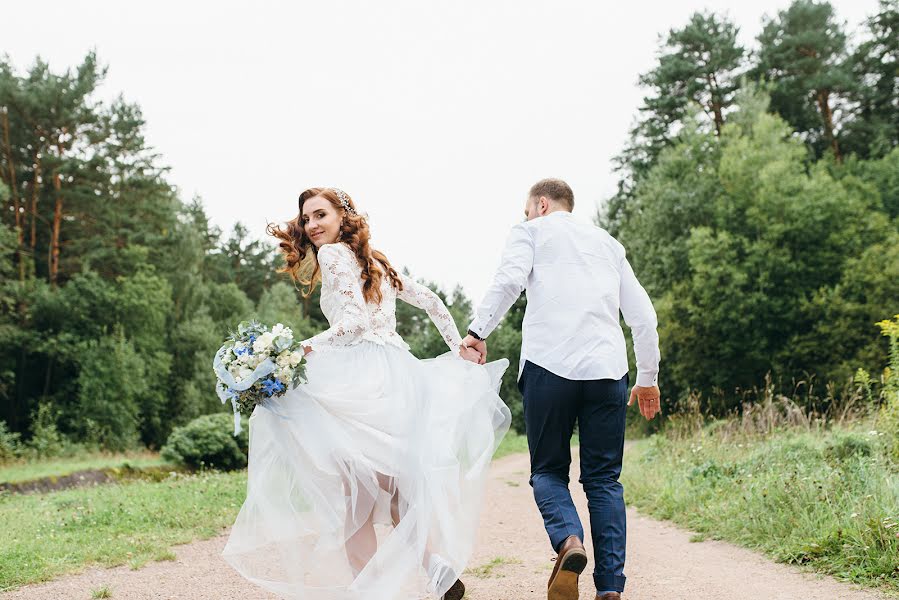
(367, 481)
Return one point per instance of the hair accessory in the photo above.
(344, 200)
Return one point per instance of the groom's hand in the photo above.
(479, 345)
(649, 399)
(470, 354)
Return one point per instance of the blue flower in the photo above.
(270, 386)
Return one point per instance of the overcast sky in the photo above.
(436, 117)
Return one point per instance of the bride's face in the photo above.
(321, 221)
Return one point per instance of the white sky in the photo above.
(436, 117)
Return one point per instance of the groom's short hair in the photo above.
(554, 189)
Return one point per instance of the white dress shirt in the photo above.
(577, 279)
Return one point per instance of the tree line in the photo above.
(758, 201)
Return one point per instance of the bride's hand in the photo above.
(470, 354)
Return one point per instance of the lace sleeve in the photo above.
(421, 297)
(340, 279)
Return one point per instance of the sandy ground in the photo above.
(513, 561)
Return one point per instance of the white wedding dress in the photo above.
(375, 436)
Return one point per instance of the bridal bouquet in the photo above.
(256, 363)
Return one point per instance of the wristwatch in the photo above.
(475, 336)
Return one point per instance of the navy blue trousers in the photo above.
(552, 406)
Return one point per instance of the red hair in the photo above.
(301, 255)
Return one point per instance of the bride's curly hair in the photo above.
(301, 255)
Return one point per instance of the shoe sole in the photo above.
(455, 592)
(564, 584)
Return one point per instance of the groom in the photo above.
(574, 370)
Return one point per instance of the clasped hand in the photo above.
(474, 350)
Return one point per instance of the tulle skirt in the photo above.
(367, 481)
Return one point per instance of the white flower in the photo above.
(283, 359)
(279, 330)
(263, 343)
(240, 372)
(295, 358)
(284, 374)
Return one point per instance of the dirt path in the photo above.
(512, 562)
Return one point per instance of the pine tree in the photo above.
(874, 126)
(699, 66)
(802, 53)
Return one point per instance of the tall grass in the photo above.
(809, 480)
(830, 501)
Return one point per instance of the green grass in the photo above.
(517, 443)
(57, 467)
(101, 592)
(513, 443)
(829, 501)
(487, 570)
(44, 536)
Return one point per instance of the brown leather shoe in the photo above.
(456, 592)
(570, 563)
(609, 596)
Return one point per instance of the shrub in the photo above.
(208, 442)
(46, 440)
(10, 443)
(888, 420)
